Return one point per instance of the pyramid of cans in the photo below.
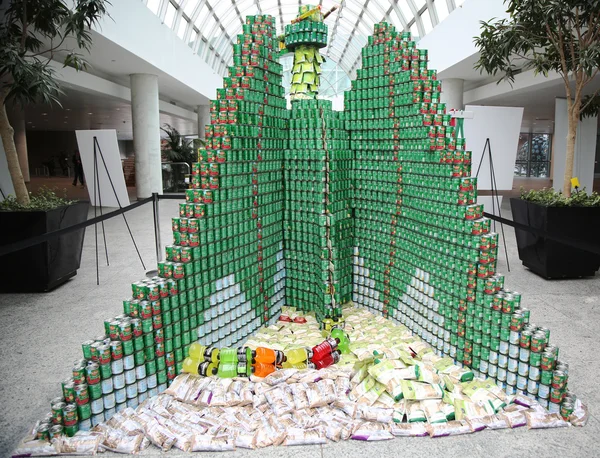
(224, 273)
(424, 254)
(318, 224)
(375, 204)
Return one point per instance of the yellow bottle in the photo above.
(296, 355)
(196, 351)
(190, 365)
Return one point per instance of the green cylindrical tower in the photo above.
(304, 37)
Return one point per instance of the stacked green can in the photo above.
(237, 185)
(424, 254)
(318, 193)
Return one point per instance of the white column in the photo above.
(146, 134)
(453, 90)
(585, 148)
(203, 120)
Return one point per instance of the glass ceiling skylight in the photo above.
(210, 27)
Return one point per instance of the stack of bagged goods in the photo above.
(371, 380)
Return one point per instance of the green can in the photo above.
(84, 411)
(140, 358)
(95, 391)
(87, 350)
(127, 347)
(105, 371)
(138, 343)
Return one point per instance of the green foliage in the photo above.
(45, 199)
(551, 198)
(180, 149)
(591, 106)
(32, 32)
(543, 35)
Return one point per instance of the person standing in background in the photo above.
(77, 169)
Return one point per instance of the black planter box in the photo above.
(49, 264)
(549, 258)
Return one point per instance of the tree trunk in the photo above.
(12, 158)
(573, 122)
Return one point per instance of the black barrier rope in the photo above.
(17, 246)
(12, 247)
(571, 242)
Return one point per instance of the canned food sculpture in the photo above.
(315, 209)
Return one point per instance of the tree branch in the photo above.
(52, 49)
(591, 100)
(24, 22)
(563, 60)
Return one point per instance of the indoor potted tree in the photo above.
(177, 148)
(548, 35)
(561, 36)
(32, 34)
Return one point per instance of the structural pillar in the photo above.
(146, 134)
(585, 148)
(17, 120)
(453, 90)
(203, 120)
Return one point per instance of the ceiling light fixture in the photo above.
(90, 113)
(67, 109)
(44, 114)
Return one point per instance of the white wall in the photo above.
(135, 28)
(585, 148)
(451, 41)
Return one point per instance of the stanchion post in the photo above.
(155, 211)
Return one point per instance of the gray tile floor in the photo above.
(42, 334)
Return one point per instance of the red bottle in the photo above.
(328, 360)
(324, 348)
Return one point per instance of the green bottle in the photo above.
(227, 370)
(342, 338)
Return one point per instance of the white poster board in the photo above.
(6, 184)
(107, 148)
(502, 125)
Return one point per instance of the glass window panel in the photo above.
(153, 5)
(426, 19)
(181, 30)
(199, 22)
(193, 37)
(458, 2)
(395, 19)
(208, 25)
(523, 147)
(540, 147)
(521, 169)
(170, 16)
(441, 7)
(220, 6)
(419, 4)
(352, 6)
(189, 7)
(365, 29)
(414, 31)
(406, 11)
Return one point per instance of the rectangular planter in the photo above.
(49, 264)
(549, 258)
